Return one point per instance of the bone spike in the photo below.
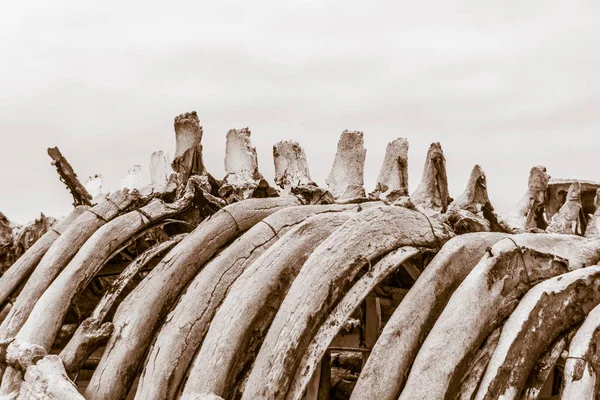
(346, 178)
(432, 193)
(529, 212)
(133, 179)
(291, 167)
(94, 186)
(570, 219)
(593, 227)
(466, 213)
(159, 169)
(188, 150)
(392, 182)
(243, 180)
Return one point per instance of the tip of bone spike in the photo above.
(291, 166)
(346, 179)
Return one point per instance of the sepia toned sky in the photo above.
(506, 84)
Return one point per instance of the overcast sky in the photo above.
(506, 84)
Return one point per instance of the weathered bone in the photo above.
(528, 213)
(242, 180)
(346, 178)
(472, 377)
(570, 218)
(94, 186)
(486, 297)
(432, 193)
(392, 182)
(240, 324)
(93, 331)
(47, 315)
(291, 167)
(581, 367)
(593, 226)
(188, 160)
(544, 366)
(24, 266)
(343, 310)
(328, 271)
(134, 178)
(81, 197)
(472, 210)
(159, 170)
(47, 380)
(414, 317)
(546, 311)
(141, 312)
(58, 256)
(178, 340)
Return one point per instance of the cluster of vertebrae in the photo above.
(193, 287)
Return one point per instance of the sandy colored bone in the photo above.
(240, 324)
(474, 373)
(94, 330)
(392, 182)
(47, 380)
(179, 340)
(545, 366)
(134, 178)
(484, 299)
(432, 193)
(529, 212)
(593, 226)
(159, 170)
(24, 266)
(472, 210)
(407, 328)
(291, 167)
(81, 197)
(546, 311)
(242, 180)
(140, 314)
(321, 282)
(570, 218)
(46, 317)
(581, 371)
(59, 255)
(188, 160)
(343, 310)
(94, 185)
(346, 178)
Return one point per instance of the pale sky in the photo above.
(506, 84)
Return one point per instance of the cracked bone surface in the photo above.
(392, 182)
(432, 193)
(188, 148)
(570, 218)
(346, 179)
(242, 180)
(593, 227)
(291, 167)
(195, 288)
(529, 212)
